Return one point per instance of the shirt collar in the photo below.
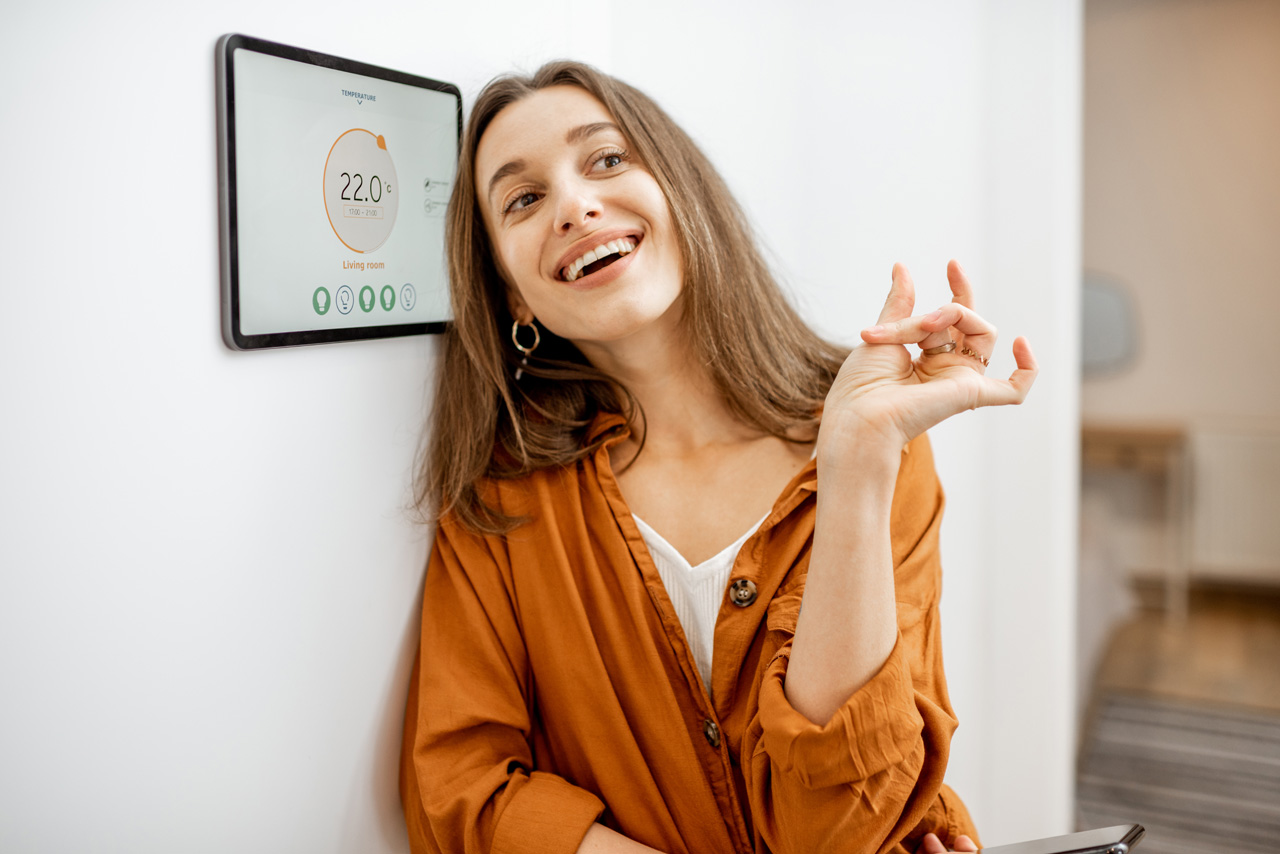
(604, 422)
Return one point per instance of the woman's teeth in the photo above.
(614, 247)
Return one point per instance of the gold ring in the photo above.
(949, 347)
(965, 351)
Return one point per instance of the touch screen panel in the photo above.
(336, 176)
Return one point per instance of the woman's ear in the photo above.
(516, 305)
(519, 309)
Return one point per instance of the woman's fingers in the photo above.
(931, 844)
(1025, 375)
(902, 297)
(961, 290)
(951, 389)
(979, 335)
(943, 336)
(1014, 390)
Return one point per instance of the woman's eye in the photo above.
(609, 160)
(520, 202)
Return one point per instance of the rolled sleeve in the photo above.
(876, 729)
(467, 779)
(547, 815)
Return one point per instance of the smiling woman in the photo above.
(566, 189)
(629, 433)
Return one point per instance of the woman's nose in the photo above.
(578, 207)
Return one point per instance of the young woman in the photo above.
(684, 590)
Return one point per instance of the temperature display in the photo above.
(360, 190)
(316, 153)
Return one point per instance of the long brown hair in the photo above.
(772, 369)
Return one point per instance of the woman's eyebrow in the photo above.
(581, 132)
(506, 169)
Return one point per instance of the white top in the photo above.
(696, 592)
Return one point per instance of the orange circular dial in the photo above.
(360, 192)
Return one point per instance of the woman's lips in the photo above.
(605, 275)
(589, 247)
(608, 252)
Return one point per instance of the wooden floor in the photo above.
(1226, 651)
(1183, 731)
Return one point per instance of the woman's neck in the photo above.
(705, 477)
(683, 410)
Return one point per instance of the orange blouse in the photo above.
(554, 688)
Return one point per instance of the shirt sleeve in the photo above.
(467, 779)
(871, 779)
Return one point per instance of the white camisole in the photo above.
(696, 592)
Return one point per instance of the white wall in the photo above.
(207, 577)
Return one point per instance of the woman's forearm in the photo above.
(848, 620)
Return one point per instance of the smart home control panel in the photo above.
(334, 178)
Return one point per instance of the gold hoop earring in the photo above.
(515, 338)
(524, 351)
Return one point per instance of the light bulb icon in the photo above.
(346, 299)
(366, 299)
(320, 300)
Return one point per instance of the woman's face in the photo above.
(580, 228)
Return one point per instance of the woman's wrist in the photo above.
(849, 446)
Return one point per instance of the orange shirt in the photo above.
(554, 688)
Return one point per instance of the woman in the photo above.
(644, 626)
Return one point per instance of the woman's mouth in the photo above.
(594, 260)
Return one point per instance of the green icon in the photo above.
(366, 298)
(388, 298)
(320, 301)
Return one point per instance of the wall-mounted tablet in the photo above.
(334, 179)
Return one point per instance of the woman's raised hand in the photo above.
(883, 393)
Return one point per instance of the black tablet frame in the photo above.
(230, 278)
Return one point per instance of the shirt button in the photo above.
(742, 592)
(712, 732)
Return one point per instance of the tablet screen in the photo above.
(336, 179)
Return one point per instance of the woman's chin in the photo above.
(630, 335)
